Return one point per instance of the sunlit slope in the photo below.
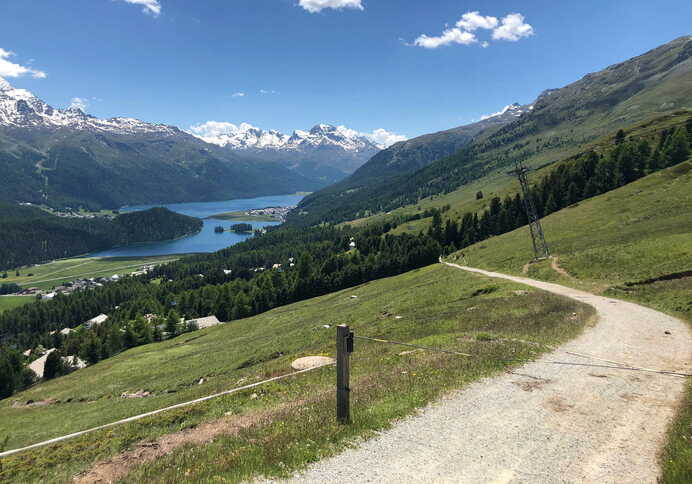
(619, 241)
(435, 306)
(563, 122)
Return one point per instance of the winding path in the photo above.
(543, 423)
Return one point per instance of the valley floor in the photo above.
(562, 418)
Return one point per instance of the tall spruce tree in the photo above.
(677, 147)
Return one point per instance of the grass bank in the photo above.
(633, 243)
(283, 426)
(46, 276)
(243, 217)
(11, 302)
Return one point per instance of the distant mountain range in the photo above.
(69, 158)
(328, 152)
(558, 124)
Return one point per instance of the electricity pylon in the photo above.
(540, 246)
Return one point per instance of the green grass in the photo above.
(639, 232)
(46, 276)
(435, 305)
(11, 302)
(676, 459)
(618, 244)
(499, 184)
(243, 217)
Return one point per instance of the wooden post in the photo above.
(344, 346)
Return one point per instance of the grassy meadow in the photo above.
(11, 302)
(281, 427)
(632, 243)
(617, 243)
(46, 276)
(242, 216)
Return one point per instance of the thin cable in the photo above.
(154, 412)
(621, 366)
(413, 346)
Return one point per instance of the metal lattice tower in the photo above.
(540, 246)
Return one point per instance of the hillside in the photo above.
(67, 158)
(31, 235)
(562, 122)
(634, 242)
(289, 422)
(631, 234)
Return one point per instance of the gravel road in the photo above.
(544, 423)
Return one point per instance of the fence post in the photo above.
(344, 347)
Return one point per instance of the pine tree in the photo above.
(619, 137)
(591, 188)
(53, 366)
(572, 194)
(7, 377)
(551, 205)
(655, 161)
(173, 323)
(436, 226)
(91, 349)
(677, 147)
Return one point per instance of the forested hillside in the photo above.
(67, 158)
(31, 235)
(292, 264)
(563, 122)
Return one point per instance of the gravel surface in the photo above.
(543, 423)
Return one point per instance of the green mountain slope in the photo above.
(632, 242)
(30, 235)
(562, 122)
(69, 167)
(422, 307)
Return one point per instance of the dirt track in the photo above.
(544, 423)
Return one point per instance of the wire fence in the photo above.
(155, 412)
(617, 365)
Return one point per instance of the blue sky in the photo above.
(301, 62)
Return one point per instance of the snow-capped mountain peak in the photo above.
(514, 109)
(248, 137)
(19, 108)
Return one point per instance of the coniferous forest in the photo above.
(289, 264)
(30, 235)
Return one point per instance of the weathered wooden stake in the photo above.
(344, 347)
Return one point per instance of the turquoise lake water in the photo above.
(206, 240)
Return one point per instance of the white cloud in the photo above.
(471, 21)
(384, 138)
(150, 7)
(10, 69)
(513, 28)
(315, 6)
(268, 91)
(79, 103)
(448, 37)
(214, 129)
(238, 94)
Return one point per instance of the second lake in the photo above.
(206, 240)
